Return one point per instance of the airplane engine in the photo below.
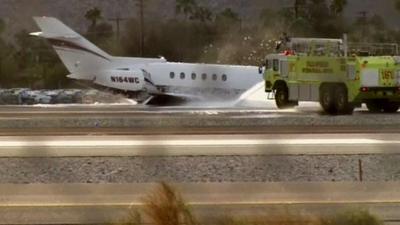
(124, 80)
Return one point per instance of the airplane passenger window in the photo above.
(204, 76)
(172, 75)
(214, 77)
(183, 76)
(194, 76)
(224, 77)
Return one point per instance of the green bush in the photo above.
(354, 217)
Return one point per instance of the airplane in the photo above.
(154, 77)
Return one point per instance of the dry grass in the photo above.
(284, 219)
(165, 206)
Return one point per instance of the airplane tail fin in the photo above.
(78, 54)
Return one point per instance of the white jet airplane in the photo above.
(154, 76)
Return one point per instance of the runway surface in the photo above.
(134, 110)
(94, 204)
(142, 120)
(198, 145)
(102, 203)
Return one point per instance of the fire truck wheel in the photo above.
(327, 100)
(375, 106)
(391, 107)
(342, 104)
(282, 97)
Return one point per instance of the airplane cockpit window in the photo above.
(204, 76)
(183, 76)
(194, 76)
(172, 75)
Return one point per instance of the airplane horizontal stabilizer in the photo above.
(53, 36)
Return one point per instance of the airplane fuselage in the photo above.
(154, 76)
(201, 81)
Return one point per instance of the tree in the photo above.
(102, 35)
(2, 26)
(202, 14)
(185, 7)
(337, 6)
(371, 29)
(142, 28)
(227, 19)
(298, 5)
(3, 54)
(102, 30)
(93, 15)
(315, 17)
(268, 17)
(8, 64)
(25, 44)
(98, 32)
(229, 14)
(192, 11)
(397, 5)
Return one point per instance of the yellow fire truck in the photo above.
(338, 75)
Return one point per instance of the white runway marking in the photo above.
(193, 142)
(198, 145)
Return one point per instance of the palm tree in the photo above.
(187, 7)
(337, 6)
(298, 4)
(93, 15)
(2, 26)
(230, 14)
(227, 18)
(397, 5)
(201, 14)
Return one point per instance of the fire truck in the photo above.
(341, 76)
